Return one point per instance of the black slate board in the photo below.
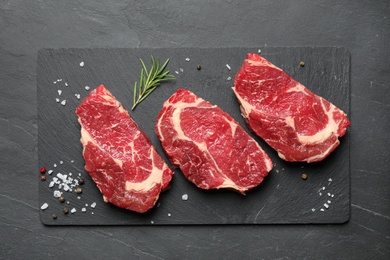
(282, 198)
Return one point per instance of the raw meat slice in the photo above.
(210, 147)
(118, 155)
(297, 123)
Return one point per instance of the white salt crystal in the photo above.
(320, 194)
(86, 204)
(44, 206)
(258, 51)
(55, 82)
(82, 64)
(55, 165)
(176, 72)
(57, 100)
(93, 205)
(78, 197)
(323, 188)
(184, 197)
(79, 174)
(328, 194)
(59, 80)
(187, 59)
(67, 202)
(83, 209)
(329, 201)
(59, 92)
(322, 209)
(313, 209)
(66, 84)
(326, 205)
(229, 78)
(332, 195)
(63, 102)
(181, 69)
(73, 210)
(66, 187)
(87, 88)
(50, 172)
(51, 184)
(330, 179)
(72, 161)
(169, 214)
(92, 213)
(277, 171)
(70, 174)
(57, 193)
(152, 222)
(61, 162)
(227, 66)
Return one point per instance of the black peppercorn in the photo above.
(302, 64)
(198, 67)
(65, 210)
(43, 178)
(304, 176)
(81, 181)
(79, 190)
(61, 199)
(54, 216)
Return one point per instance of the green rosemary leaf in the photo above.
(150, 80)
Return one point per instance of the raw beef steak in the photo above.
(118, 155)
(297, 123)
(210, 147)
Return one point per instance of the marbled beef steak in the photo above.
(118, 155)
(212, 150)
(298, 124)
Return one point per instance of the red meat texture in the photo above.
(298, 124)
(118, 155)
(212, 150)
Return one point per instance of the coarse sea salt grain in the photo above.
(44, 206)
(152, 222)
(66, 84)
(258, 51)
(228, 66)
(181, 69)
(83, 209)
(229, 78)
(169, 214)
(51, 184)
(59, 80)
(93, 205)
(63, 102)
(61, 162)
(176, 72)
(73, 210)
(322, 209)
(330, 179)
(57, 193)
(328, 194)
(187, 59)
(329, 201)
(87, 88)
(55, 82)
(50, 172)
(59, 92)
(57, 100)
(326, 205)
(184, 197)
(82, 64)
(313, 209)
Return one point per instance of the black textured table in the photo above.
(362, 27)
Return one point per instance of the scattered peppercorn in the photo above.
(304, 176)
(302, 64)
(198, 67)
(42, 170)
(61, 199)
(81, 181)
(79, 190)
(54, 216)
(65, 210)
(43, 178)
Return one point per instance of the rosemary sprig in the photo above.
(150, 80)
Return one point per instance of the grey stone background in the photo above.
(363, 27)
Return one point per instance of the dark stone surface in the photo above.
(363, 27)
(282, 198)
